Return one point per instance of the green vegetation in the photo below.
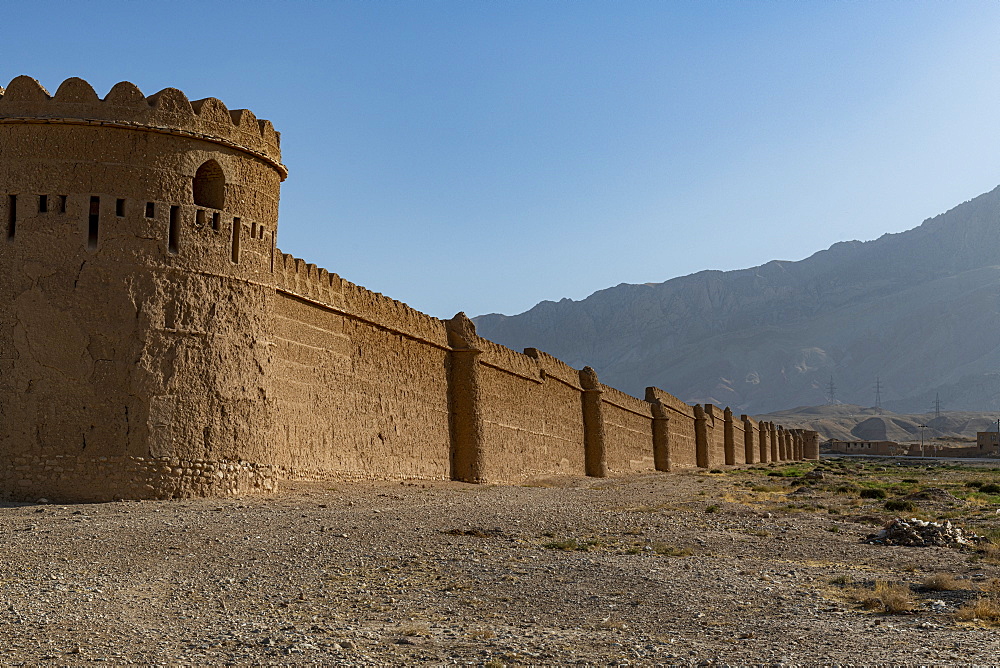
(900, 505)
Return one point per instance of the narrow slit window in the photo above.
(150, 209)
(120, 208)
(62, 203)
(216, 221)
(43, 204)
(11, 216)
(94, 226)
(253, 230)
(237, 230)
(174, 232)
(199, 219)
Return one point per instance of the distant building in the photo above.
(988, 440)
(888, 448)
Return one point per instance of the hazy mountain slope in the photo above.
(849, 423)
(919, 309)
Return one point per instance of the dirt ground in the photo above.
(705, 568)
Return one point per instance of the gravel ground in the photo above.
(652, 569)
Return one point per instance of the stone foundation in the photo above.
(61, 478)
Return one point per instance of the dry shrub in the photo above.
(415, 629)
(984, 609)
(612, 623)
(991, 586)
(482, 634)
(943, 582)
(990, 553)
(884, 597)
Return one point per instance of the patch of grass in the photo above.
(672, 550)
(900, 505)
(712, 509)
(643, 509)
(870, 493)
(757, 532)
(990, 488)
(985, 609)
(788, 472)
(769, 488)
(802, 507)
(885, 597)
(476, 532)
(842, 580)
(568, 545)
(833, 529)
(716, 471)
(974, 483)
(942, 582)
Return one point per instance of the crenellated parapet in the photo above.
(305, 279)
(125, 106)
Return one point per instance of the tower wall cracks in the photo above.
(154, 343)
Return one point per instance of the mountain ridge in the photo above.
(767, 337)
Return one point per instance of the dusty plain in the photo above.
(757, 565)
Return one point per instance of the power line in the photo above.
(937, 404)
(831, 392)
(878, 395)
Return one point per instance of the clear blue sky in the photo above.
(483, 156)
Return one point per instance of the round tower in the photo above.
(137, 237)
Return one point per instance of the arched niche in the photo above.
(210, 186)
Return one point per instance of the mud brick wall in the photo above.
(359, 381)
(155, 343)
(681, 440)
(715, 447)
(531, 416)
(628, 429)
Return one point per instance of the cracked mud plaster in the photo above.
(50, 337)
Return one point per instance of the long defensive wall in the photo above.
(155, 343)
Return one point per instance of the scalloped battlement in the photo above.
(168, 111)
(306, 279)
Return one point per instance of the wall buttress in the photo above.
(593, 424)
